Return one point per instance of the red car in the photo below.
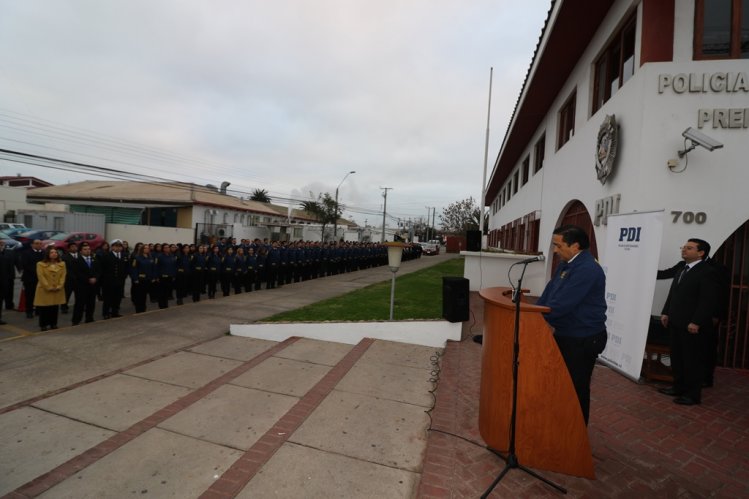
(63, 239)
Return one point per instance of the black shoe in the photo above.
(76, 323)
(89, 320)
(107, 317)
(670, 391)
(686, 401)
(179, 302)
(114, 316)
(44, 328)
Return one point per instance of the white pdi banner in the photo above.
(633, 245)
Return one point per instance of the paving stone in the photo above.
(285, 376)
(185, 369)
(401, 354)
(234, 347)
(367, 428)
(156, 464)
(389, 381)
(116, 402)
(297, 471)
(319, 352)
(34, 442)
(231, 415)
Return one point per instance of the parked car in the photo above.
(430, 248)
(28, 237)
(10, 243)
(63, 239)
(4, 226)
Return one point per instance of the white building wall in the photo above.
(651, 124)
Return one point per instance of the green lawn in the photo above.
(418, 295)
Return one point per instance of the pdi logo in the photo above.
(629, 234)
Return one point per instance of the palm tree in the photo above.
(323, 209)
(260, 195)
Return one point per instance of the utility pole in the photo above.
(429, 227)
(434, 212)
(384, 210)
(482, 206)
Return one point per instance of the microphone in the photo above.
(537, 258)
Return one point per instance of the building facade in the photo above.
(612, 100)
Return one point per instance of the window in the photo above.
(721, 29)
(515, 183)
(539, 150)
(526, 169)
(616, 65)
(58, 223)
(566, 128)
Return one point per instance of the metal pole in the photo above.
(486, 159)
(392, 296)
(335, 223)
(384, 211)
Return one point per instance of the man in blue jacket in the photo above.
(577, 298)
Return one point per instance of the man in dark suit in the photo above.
(27, 265)
(723, 276)
(114, 269)
(86, 271)
(70, 257)
(688, 314)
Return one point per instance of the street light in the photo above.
(335, 223)
(395, 253)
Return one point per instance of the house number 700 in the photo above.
(689, 217)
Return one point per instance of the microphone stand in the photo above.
(511, 460)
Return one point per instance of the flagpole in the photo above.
(486, 160)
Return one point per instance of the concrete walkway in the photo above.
(165, 404)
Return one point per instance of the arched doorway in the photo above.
(733, 333)
(577, 214)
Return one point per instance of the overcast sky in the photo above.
(282, 95)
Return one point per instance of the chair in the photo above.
(656, 348)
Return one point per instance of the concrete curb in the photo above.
(426, 333)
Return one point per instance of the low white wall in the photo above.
(148, 234)
(425, 333)
(488, 270)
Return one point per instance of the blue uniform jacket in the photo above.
(577, 298)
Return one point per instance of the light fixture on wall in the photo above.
(695, 138)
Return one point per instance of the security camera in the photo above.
(698, 138)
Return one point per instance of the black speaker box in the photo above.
(473, 240)
(455, 299)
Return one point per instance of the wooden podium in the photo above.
(550, 431)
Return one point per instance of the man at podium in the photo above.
(577, 298)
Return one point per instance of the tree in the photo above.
(324, 210)
(260, 195)
(461, 216)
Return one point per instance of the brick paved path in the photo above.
(643, 444)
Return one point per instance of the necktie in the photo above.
(88, 261)
(683, 273)
(117, 256)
